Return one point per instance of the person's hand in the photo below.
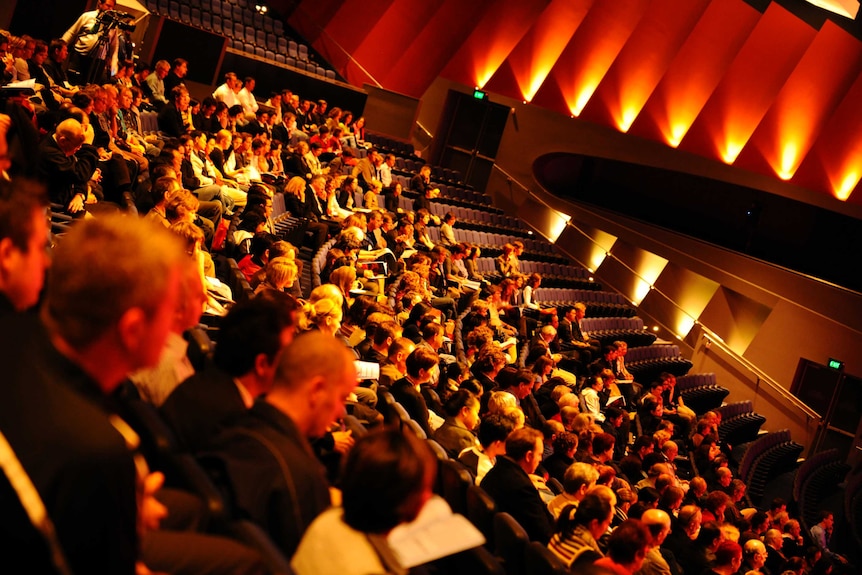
(97, 175)
(343, 441)
(152, 511)
(77, 204)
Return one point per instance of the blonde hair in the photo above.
(326, 291)
(315, 314)
(343, 279)
(281, 271)
(295, 186)
(500, 401)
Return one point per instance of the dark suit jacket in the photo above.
(64, 176)
(564, 331)
(454, 437)
(413, 402)
(514, 493)
(171, 122)
(282, 491)
(200, 406)
(56, 421)
(279, 132)
(313, 210)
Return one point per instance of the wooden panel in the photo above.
(493, 39)
(695, 71)
(433, 46)
(810, 96)
(593, 49)
(642, 62)
(834, 163)
(750, 85)
(538, 51)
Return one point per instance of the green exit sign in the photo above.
(835, 364)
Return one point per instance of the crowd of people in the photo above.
(546, 419)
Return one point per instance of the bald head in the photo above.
(314, 376)
(773, 538)
(754, 552)
(69, 135)
(658, 523)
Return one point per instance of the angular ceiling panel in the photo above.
(696, 70)
(750, 85)
(593, 49)
(393, 31)
(834, 163)
(808, 98)
(433, 45)
(492, 40)
(642, 62)
(538, 51)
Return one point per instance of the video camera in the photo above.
(115, 19)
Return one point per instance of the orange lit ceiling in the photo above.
(765, 92)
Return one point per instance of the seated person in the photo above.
(510, 485)
(276, 480)
(386, 480)
(493, 431)
(462, 417)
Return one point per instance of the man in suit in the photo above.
(276, 479)
(587, 347)
(66, 163)
(172, 118)
(251, 337)
(102, 323)
(366, 172)
(511, 487)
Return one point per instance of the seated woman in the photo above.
(462, 417)
(386, 481)
(577, 532)
(472, 264)
(280, 275)
(391, 195)
(422, 367)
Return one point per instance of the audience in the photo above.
(276, 410)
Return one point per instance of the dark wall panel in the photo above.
(201, 48)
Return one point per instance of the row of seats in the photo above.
(649, 362)
(814, 482)
(701, 392)
(491, 239)
(599, 303)
(248, 31)
(610, 329)
(769, 456)
(391, 146)
(472, 215)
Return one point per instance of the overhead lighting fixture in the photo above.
(847, 8)
(261, 8)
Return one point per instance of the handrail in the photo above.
(713, 337)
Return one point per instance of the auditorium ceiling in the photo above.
(763, 86)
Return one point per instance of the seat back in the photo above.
(539, 560)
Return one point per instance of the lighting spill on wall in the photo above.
(789, 159)
(848, 184)
(731, 151)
